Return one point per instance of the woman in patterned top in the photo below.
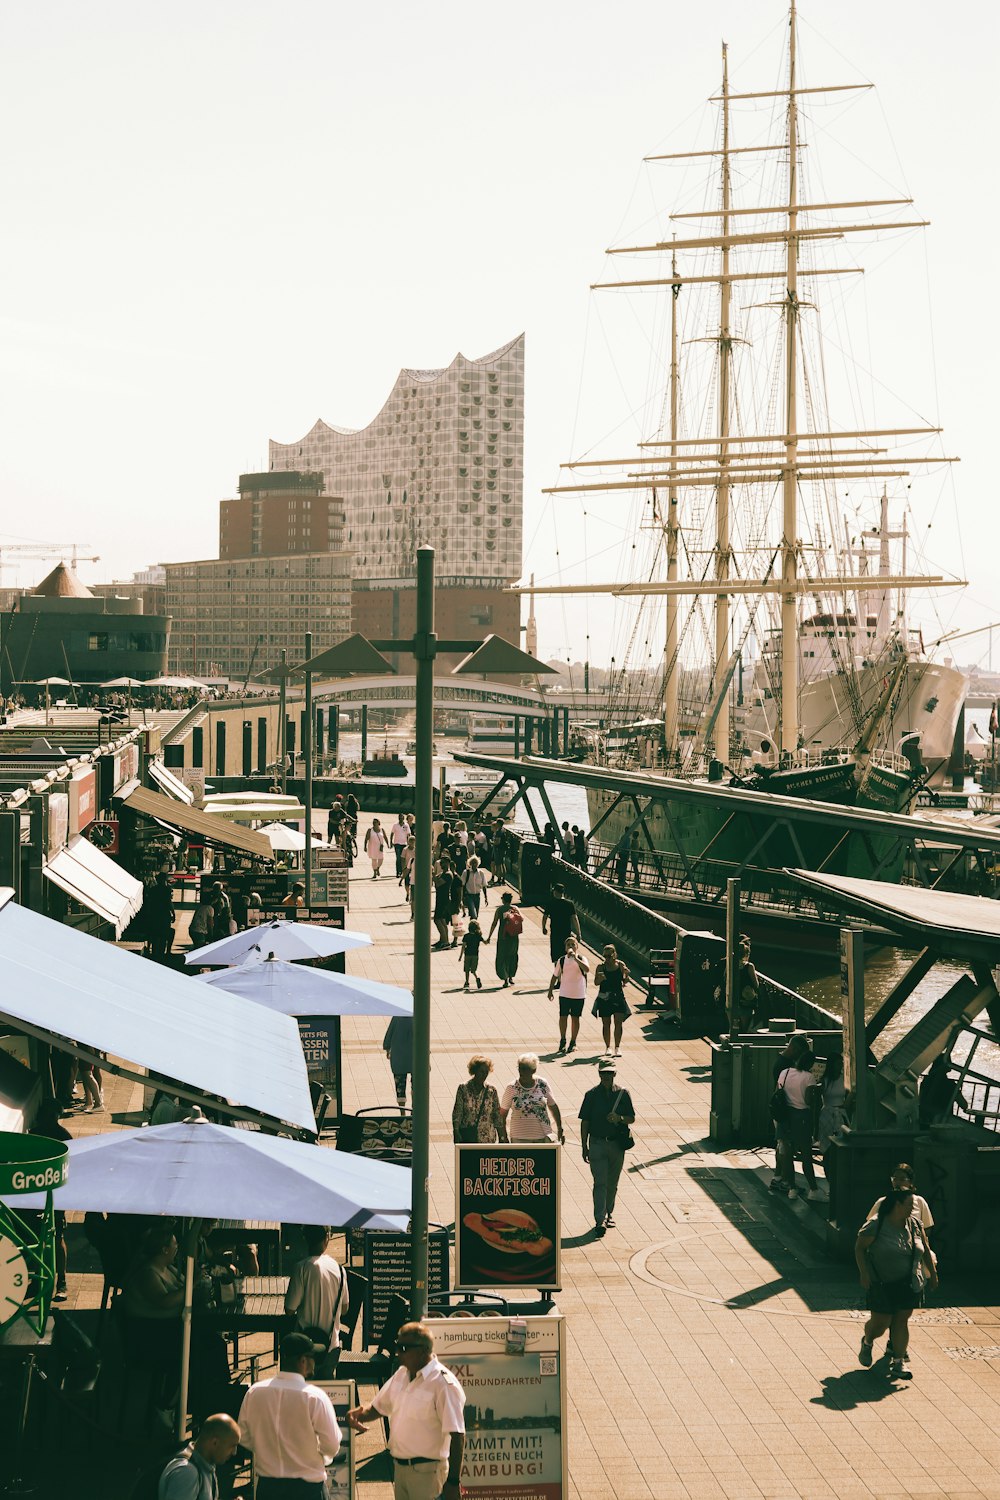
(476, 1115)
(528, 1104)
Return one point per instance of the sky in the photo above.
(224, 221)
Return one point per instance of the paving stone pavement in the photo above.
(712, 1345)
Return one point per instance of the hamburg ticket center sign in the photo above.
(514, 1404)
(507, 1215)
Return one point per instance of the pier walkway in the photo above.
(712, 1343)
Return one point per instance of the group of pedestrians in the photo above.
(290, 1426)
(528, 1111)
(810, 1102)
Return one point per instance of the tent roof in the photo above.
(61, 983)
(203, 825)
(198, 1170)
(497, 657)
(62, 583)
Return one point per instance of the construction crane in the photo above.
(43, 550)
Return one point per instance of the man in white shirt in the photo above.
(290, 1427)
(317, 1293)
(425, 1405)
(399, 833)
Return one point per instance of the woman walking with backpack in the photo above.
(507, 924)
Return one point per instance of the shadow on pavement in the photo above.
(856, 1388)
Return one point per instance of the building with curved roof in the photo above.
(441, 463)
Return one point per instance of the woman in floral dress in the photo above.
(476, 1115)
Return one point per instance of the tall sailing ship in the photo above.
(814, 685)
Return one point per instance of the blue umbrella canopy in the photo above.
(295, 991)
(198, 1170)
(284, 939)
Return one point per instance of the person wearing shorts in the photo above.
(570, 973)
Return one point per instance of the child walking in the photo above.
(471, 943)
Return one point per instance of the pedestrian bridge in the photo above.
(473, 696)
(469, 695)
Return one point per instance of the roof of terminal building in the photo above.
(62, 583)
(963, 923)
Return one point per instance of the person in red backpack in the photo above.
(507, 924)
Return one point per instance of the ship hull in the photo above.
(704, 834)
(928, 704)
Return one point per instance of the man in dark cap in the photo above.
(606, 1114)
(290, 1426)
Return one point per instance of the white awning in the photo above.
(90, 877)
(60, 983)
(169, 783)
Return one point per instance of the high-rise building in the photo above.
(282, 570)
(441, 463)
(149, 585)
(278, 514)
(232, 616)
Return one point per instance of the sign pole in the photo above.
(283, 724)
(733, 954)
(424, 646)
(852, 988)
(307, 751)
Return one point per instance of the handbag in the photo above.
(918, 1270)
(779, 1101)
(467, 1134)
(623, 1133)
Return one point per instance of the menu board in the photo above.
(340, 1480)
(270, 886)
(387, 1270)
(328, 887)
(388, 1136)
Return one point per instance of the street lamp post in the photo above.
(307, 751)
(424, 649)
(356, 654)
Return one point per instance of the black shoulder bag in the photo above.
(623, 1133)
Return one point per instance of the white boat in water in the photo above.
(491, 734)
(845, 661)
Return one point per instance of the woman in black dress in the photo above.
(611, 1005)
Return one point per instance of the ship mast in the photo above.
(723, 553)
(671, 722)
(789, 517)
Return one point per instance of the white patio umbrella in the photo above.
(176, 682)
(284, 939)
(295, 991)
(124, 682)
(280, 836)
(202, 1171)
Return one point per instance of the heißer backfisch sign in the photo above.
(507, 1215)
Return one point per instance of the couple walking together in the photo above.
(570, 974)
